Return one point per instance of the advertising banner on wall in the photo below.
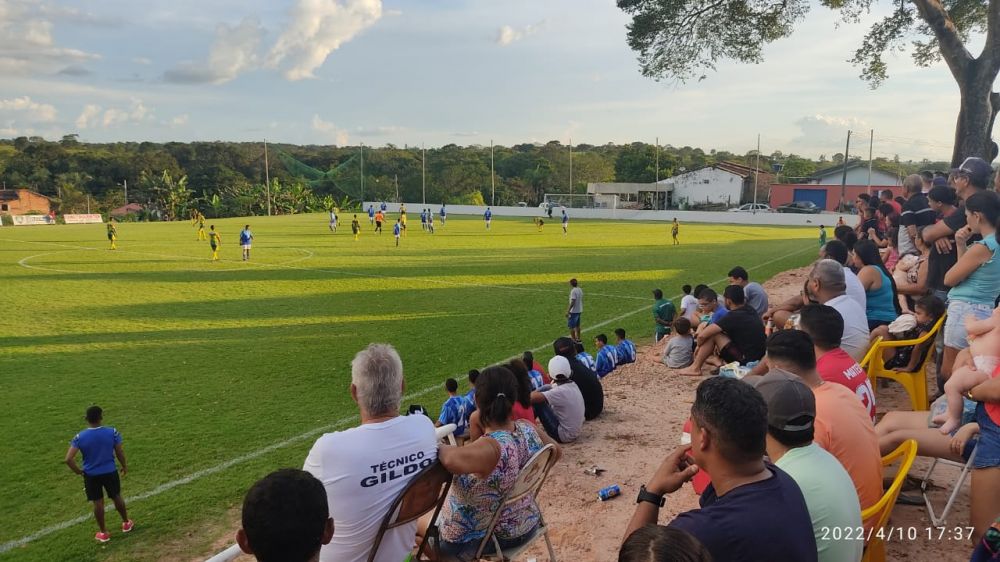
(29, 220)
(83, 218)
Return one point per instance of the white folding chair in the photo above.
(939, 520)
(529, 482)
(446, 433)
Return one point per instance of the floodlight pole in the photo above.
(423, 170)
(362, 173)
(571, 167)
(267, 179)
(493, 182)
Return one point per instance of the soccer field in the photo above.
(219, 372)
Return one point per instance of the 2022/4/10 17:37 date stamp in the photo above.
(889, 533)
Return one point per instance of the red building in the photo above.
(824, 196)
(23, 201)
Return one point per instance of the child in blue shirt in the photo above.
(456, 409)
(625, 348)
(607, 359)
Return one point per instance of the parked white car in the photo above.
(752, 208)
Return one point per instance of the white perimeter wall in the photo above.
(774, 219)
(721, 186)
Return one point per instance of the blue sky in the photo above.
(435, 72)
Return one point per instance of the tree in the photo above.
(678, 39)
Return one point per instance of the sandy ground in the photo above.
(645, 408)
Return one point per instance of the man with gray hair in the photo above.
(364, 468)
(826, 284)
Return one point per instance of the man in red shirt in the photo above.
(886, 197)
(825, 326)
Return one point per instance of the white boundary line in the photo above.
(301, 437)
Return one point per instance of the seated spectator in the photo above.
(607, 356)
(843, 426)
(791, 413)
(471, 394)
(689, 303)
(586, 380)
(827, 285)
(737, 336)
(880, 290)
(456, 409)
(534, 371)
(709, 309)
(655, 543)
(927, 312)
(825, 326)
(560, 408)
(624, 347)
(678, 353)
(521, 408)
(485, 470)
(837, 251)
(371, 455)
(663, 314)
(756, 297)
(285, 518)
(897, 426)
(910, 274)
(737, 518)
(584, 357)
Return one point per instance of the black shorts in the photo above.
(95, 486)
(732, 353)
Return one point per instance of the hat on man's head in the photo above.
(559, 368)
(978, 170)
(788, 400)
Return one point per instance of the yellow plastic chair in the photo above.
(915, 383)
(868, 356)
(880, 512)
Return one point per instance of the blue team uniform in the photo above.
(607, 360)
(371, 212)
(384, 206)
(98, 447)
(488, 215)
(395, 229)
(626, 352)
(537, 381)
(443, 212)
(587, 360)
(245, 237)
(456, 410)
(471, 397)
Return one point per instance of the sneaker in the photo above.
(127, 526)
(102, 537)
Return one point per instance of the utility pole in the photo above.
(871, 146)
(571, 167)
(125, 181)
(423, 170)
(362, 173)
(395, 179)
(756, 172)
(267, 179)
(658, 174)
(493, 176)
(843, 178)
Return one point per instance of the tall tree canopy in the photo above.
(679, 39)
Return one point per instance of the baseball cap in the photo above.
(559, 368)
(788, 399)
(978, 170)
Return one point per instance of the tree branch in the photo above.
(953, 50)
(990, 55)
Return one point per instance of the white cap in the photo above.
(559, 367)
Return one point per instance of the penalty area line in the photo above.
(167, 486)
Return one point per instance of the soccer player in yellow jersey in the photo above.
(201, 227)
(675, 229)
(356, 227)
(112, 234)
(402, 220)
(215, 240)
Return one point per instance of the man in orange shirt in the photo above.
(843, 426)
(379, 217)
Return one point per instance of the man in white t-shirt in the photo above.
(574, 310)
(827, 285)
(837, 251)
(366, 467)
(560, 407)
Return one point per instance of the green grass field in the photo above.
(217, 373)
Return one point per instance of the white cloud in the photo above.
(179, 120)
(142, 60)
(234, 51)
(507, 34)
(28, 108)
(94, 116)
(329, 130)
(824, 132)
(26, 42)
(318, 28)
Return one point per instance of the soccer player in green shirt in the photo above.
(663, 314)
(215, 240)
(112, 234)
(822, 236)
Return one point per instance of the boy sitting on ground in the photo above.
(607, 358)
(678, 353)
(624, 347)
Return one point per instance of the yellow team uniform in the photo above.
(402, 221)
(112, 235)
(215, 240)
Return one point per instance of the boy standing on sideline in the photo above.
(822, 236)
(246, 238)
(215, 241)
(575, 310)
(663, 315)
(456, 409)
(100, 445)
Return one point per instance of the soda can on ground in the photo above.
(605, 494)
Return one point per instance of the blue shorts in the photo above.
(955, 335)
(573, 321)
(988, 454)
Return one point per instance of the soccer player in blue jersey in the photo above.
(565, 221)
(444, 215)
(371, 214)
(607, 358)
(625, 347)
(488, 217)
(584, 357)
(246, 238)
(423, 219)
(456, 409)
(396, 230)
(100, 445)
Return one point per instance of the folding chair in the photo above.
(875, 549)
(528, 482)
(915, 383)
(426, 491)
(446, 433)
(939, 520)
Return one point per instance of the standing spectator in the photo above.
(575, 309)
(663, 314)
(882, 304)
(825, 327)
(624, 347)
(926, 181)
(364, 468)
(826, 284)
(456, 409)
(246, 239)
(560, 408)
(916, 214)
(843, 425)
(885, 196)
(791, 413)
(942, 200)
(737, 336)
(586, 379)
(100, 445)
(285, 517)
(678, 353)
(607, 356)
(756, 297)
(737, 515)
(822, 234)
